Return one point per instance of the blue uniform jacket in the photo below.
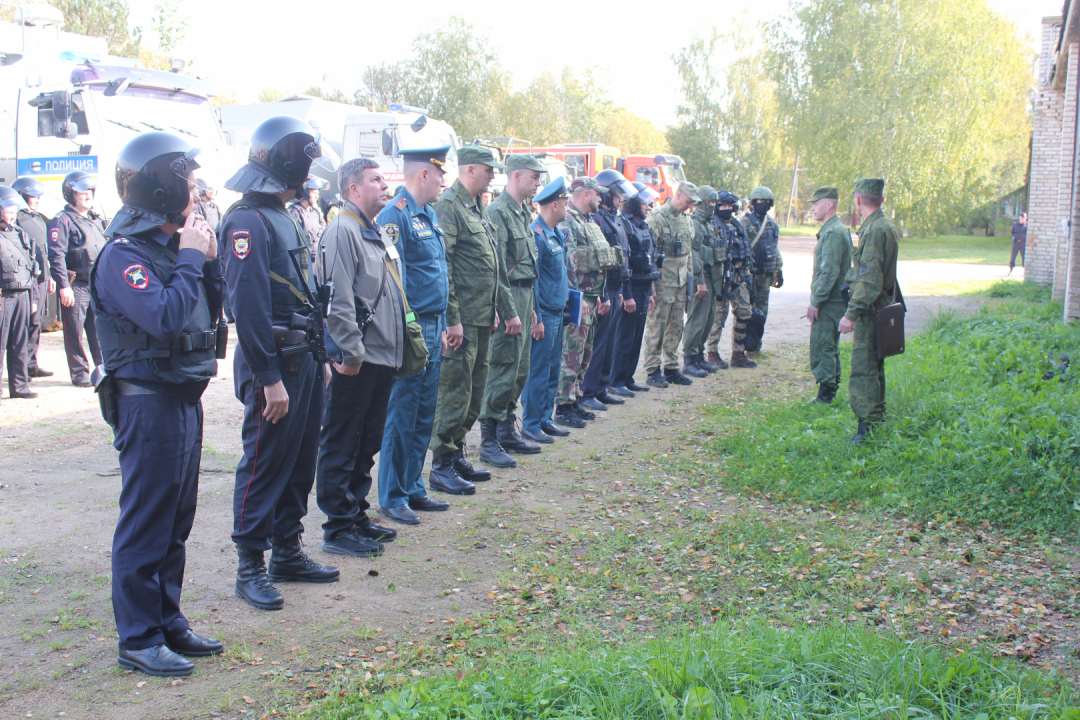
(160, 310)
(419, 241)
(65, 235)
(551, 288)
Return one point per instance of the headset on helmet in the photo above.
(28, 187)
(77, 181)
(614, 180)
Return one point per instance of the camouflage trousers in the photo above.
(741, 309)
(576, 354)
(509, 360)
(867, 383)
(762, 285)
(825, 345)
(664, 328)
(700, 316)
(462, 381)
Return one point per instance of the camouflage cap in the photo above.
(870, 186)
(522, 161)
(478, 155)
(690, 191)
(706, 193)
(825, 192)
(587, 183)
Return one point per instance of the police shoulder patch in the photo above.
(401, 203)
(137, 276)
(121, 241)
(54, 233)
(241, 243)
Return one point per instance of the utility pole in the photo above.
(794, 189)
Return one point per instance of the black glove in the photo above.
(778, 278)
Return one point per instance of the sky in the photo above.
(281, 47)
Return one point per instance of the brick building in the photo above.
(1053, 247)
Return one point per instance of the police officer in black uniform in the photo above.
(35, 225)
(17, 273)
(598, 377)
(76, 236)
(156, 291)
(277, 376)
(643, 271)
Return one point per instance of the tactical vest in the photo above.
(642, 247)
(621, 246)
(719, 240)
(286, 288)
(16, 265)
(80, 259)
(679, 238)
(738, 247)
(703, 226)
(767, 245)
(188, 358)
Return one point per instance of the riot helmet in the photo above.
(286, 146)
(204, 188)
(646, 193)
(28, 187)
(614, 180)
(9, 197)
(77, 181)
(152, 174)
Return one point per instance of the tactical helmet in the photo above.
(9, 197)
(614, 180)
(204, 187)
(28, 187)
(646, 193)
(285, 146)
(706, 193)
(726, 197)
(314, 183)
(152, 174)
(761, 193)
(77, 181)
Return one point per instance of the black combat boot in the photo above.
(253, 586)
(690, 367)
(491, 451)
(445, 478)
(825, 394)
(739, 360)
(507, 434)
(289, 563)
(674, 377)
(567, 416)
(583, 413)
(465, 468)
(861, 433)
(704, 364)
(656, 379)
(717, 362)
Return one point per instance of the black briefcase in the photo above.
(889, 326)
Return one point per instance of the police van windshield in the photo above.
(140, 110)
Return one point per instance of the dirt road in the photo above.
(59, 482)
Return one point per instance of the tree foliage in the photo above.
(101, 18)
(931, 95)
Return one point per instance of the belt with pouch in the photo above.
(526, 282)
(126, 388)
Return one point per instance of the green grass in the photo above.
(726, 671)
(974, 249)
(982, 426)
(1016, 290)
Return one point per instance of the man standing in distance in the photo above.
(872, 280)
(674, 233)
(832, 261)
(35, 225)
(510, 217)
(1019, 238)
(764, 236)
(473, 269)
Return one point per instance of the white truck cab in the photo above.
(381, 135)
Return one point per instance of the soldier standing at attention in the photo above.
(674, 233)
(701, 309)
(509, 217)
(764, 236)
(473, 270)
(76, 236)
(832, 261)
(35, 225)
(19, 270)
(551, 289)
(735, 285)
(413, 226)
(643, 272)
(872, 280)
(588, 258)
(282, 394)
(156, 292)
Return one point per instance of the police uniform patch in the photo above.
(393, 231)
(241, 243)
(137, 276)
(122, 241)
(55, 233)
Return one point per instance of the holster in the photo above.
(105, 387)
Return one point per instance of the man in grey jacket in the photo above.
(367, 325)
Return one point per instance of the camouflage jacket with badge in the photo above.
(872, 277)
(472, 263)
(584, 243)
(674, 233)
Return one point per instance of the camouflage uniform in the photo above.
(736, 295)
(473, 268)
(509, 356)
(872, 280)
(673, 231)
(768, 262)
(583, 269)
(832, 261)
(701, 311)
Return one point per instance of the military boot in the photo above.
(739, 360)
(861, 433)
(444, 476)
(491, 451)
(507, 434)
(656, 379)
(465, 468)
(583, 413)
(691, 368)
(717, 362)
(289, 563)
(674, 377)
(253, 586)
(566, 416)
(704, 364)
(825, 394)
